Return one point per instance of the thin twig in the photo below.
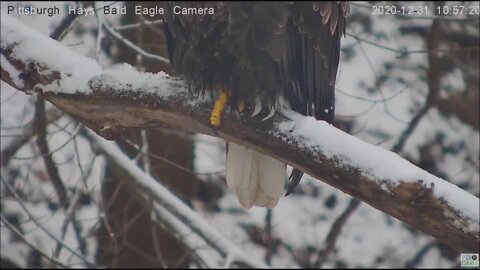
(137, 25)
(162, 217)
(42, 228)
(134, 47)
(70, 217)
(383, 99)
(160, 194)
(32, 246)
(403, 52)
(377, 79)
(335, 231)
(184, 233)
(166, 160)
(413, 263)
(52, 115)
(156, 246)
(51, 151)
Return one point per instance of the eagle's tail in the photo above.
(257, 179)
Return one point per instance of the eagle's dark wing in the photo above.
(311, 62)
(313, 56)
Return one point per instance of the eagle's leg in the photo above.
(217, 110)
(219, 107)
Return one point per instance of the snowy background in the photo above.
(382, 83)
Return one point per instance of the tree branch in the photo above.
(111, 101)
(10, 149)
(31, 245)
(42, 144)
(433, 80)
(335, 231)
(172, 204)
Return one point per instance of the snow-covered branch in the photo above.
(110, 101)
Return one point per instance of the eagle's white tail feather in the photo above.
(257, 179)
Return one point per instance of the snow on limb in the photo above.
(74, 69)
(374, 162)
(384, 168)
(174, 205)
(115, 100)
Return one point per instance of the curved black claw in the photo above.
(295, 178)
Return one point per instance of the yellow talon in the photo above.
(216, 115)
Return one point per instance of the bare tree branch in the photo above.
(134, 47)
(42, 144)
(110, 102)
(335, 231)
(172, 204)
(52, 115)
(196, 245)
(45, 230)
(138, 25)
(415, 261)
(25, 240)
(70, 216)
(433, 81)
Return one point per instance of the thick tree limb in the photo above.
(111, 101)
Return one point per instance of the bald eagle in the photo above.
(256, 57)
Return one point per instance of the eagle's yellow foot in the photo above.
(218, 108)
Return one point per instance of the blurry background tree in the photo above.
(407, 83)
(146, 243)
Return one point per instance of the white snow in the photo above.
(14, 73)
(75, 69)
(125, 76)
